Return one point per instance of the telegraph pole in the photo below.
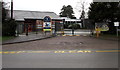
(11, 9)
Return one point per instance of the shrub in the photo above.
(75, 26)
(8, 28)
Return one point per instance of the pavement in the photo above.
(31, 37)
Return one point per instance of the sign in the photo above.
(47, 19)
(118, 29)
(116, 23)
(102, 26)
(47, 25)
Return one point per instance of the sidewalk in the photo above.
(31, 37)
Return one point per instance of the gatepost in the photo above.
(97, 31)
(116, 24)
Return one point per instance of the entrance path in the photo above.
(31, 37)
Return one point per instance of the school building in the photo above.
(33, 20)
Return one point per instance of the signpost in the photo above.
(47, 24)
(116, 24)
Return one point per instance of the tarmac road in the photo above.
(61, 60)
(29, 55)
(63, 43)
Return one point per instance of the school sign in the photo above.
(47, 24)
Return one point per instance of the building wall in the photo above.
(34, 25)
(20, 27)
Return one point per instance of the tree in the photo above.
(8, 25)
(4, 12)
(67, 11)
(105, 12)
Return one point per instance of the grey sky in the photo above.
(49, 5)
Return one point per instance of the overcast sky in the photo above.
(49, 5)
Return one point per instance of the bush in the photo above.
(8, 28)
(75, 26)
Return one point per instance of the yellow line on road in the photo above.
(59, 51)
(38, 51)
(73, 51)
(5, 52)
(77, 35)
(13, 52)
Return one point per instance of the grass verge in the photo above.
(4, 38)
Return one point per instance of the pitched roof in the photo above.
(20, 15)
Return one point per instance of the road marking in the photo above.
(38, 51)
(12, 52)
(5, 52)
(77, 35)
(59, 51)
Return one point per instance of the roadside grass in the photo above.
(4, 38)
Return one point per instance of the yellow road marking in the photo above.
(12, 52)
(77, 35)
(72, 51)
(5, 52)
(38, 52)
(89, 51)
(59, 51)
(80, 51)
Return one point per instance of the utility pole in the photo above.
(11, 9)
